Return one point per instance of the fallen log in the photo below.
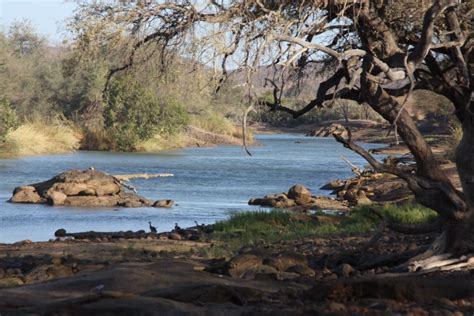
(108, 235)
(127, 177)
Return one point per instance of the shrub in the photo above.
(8, 119)
(134, 114)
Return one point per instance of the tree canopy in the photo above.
(376, 51)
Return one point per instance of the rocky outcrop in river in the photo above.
(89, 188)
(299, 198)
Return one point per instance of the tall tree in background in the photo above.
(381, 49)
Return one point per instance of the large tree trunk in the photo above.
(430, 185)
(465, 159)
(463, 233)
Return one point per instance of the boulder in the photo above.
(300, 194)
(163, 203)
(357, 197)
(60, 232)
(25, 194)
(239, 265)
(346, 270)
(174, 236)
(276, 201)
(56, 197)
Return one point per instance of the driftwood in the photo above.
(127, 177)
(109, 235)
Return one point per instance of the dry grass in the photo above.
(158, 143)
(39, 138)
(203, 130)
(454, 140)
(213, 123)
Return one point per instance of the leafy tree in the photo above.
(381, 49)
(30, 74)
(134, 113)
(23, 38)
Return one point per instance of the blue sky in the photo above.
(46, 16)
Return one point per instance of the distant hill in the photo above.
(301, 84)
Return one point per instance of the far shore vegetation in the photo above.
(54, 99)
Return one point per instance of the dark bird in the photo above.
(152, 228)
(177, 228)
(199, 226)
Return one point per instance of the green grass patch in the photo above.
(405, 214)
(258, 228)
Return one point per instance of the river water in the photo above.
(208, 185)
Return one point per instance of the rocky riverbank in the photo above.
(337, 275)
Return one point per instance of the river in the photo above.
(208, 185)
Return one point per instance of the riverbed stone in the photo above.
(25, 194)
(346, 270)
(174, 236)
(163, 203)
(57, 198)
(60, 232)
(300, 194)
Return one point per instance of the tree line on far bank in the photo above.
(44, 86)
(62, 87)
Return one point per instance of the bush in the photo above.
(134, 114)
(8, 119)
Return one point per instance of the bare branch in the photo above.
(244, 128)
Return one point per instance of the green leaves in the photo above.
(134, 113)
(8, 118)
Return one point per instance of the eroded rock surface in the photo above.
(89, 188)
